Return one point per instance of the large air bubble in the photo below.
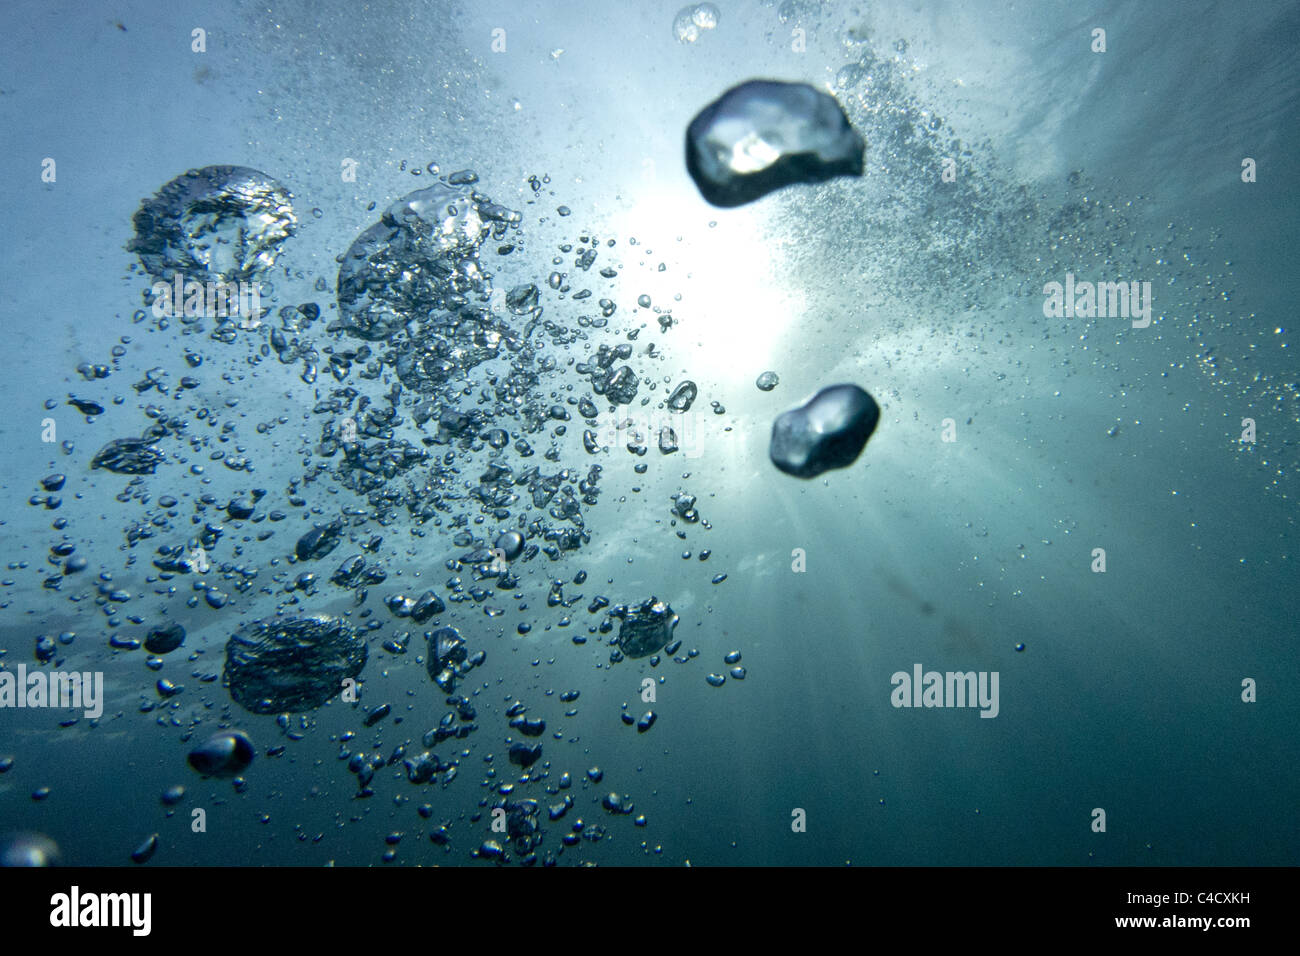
(414, 279)
(827, 431)
(226, 754)
(763, 135)
(291, 665)
(419, 264)
(215, 224)
(646, 627)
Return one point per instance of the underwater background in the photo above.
(1011, 444)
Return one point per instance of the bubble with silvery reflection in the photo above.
(218, 223)
(415, 279)
(421, 257)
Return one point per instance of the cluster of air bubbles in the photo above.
(693, 22)
(445, 409)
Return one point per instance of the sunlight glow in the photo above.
(730, 307)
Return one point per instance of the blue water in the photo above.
(1070, 434)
